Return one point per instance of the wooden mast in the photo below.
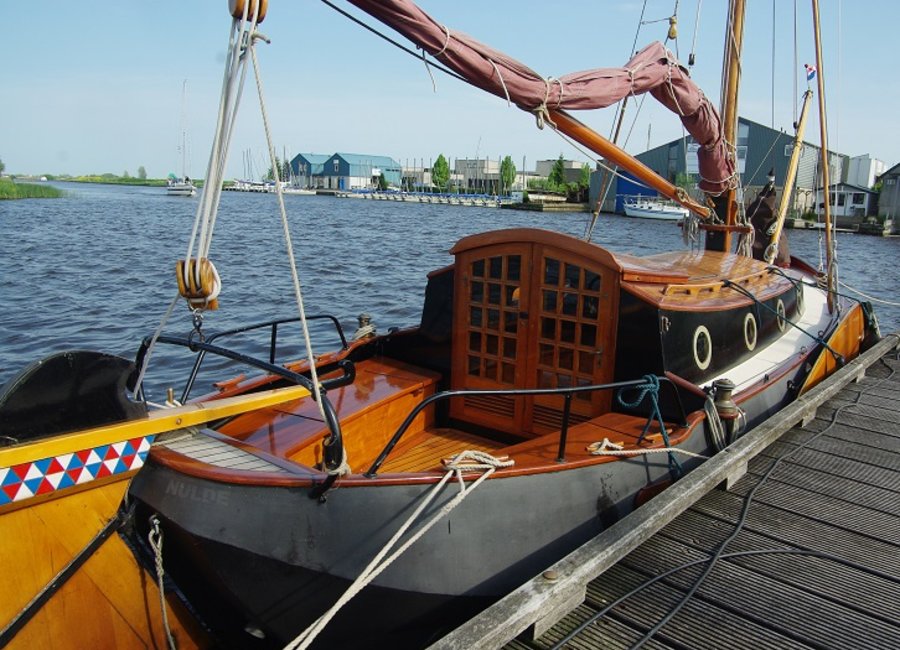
(726, 204)
(772, 248)
(826, 190)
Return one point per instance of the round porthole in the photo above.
(779, 312)
(750, 331)
(702, 347)
(799, 299)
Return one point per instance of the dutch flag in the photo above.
(810, 71)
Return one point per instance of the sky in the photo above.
(97, 88)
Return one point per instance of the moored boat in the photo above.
(551, 387)
(650, 208)
(65, 461)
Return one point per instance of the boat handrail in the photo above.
(273, 339)
(566, 392)
(333, 449)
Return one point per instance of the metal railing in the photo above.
(567, 394)
(273, 344)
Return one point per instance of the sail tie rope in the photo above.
(502, 82)
(155, 538)
(651, 387)
(541, 112)
(455, 466)
(446, 42)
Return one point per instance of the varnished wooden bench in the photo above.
(370, 410)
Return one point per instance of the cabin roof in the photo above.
(674, 279)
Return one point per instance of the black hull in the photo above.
(277, 600)
(272, 558)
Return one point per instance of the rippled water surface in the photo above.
(95, 269)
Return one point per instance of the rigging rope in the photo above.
(295, 276)
(155, 538)
(650, 388)
(468, 460)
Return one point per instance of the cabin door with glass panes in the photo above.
(527, 319)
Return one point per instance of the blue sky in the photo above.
(95, 88)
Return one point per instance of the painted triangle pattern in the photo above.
(46, 475)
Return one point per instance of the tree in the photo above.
(2, 167)
(585, 180)
(557, 176)
(507, 175)
(142, 173)
(284, 170)
(440, 172)
(382, 182)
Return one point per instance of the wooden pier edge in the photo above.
(541, 602)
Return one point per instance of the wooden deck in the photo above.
(809, 539)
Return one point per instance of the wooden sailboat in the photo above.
(551, 387)
(182, 186)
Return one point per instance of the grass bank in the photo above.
(11, 190)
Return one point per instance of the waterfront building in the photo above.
(889, 198)
(307, 169)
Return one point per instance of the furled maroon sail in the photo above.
(653, 69)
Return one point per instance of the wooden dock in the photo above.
(805, 539)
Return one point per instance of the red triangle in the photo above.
(11, 490)
(102, 470)
(55, 467)
(44, 487)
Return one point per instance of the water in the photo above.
(95, 269)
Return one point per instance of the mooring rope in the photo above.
(650, 388)
(607, 448)
(464, 461)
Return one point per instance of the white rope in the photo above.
(868, 297)
(156, 335)
(607, 448)
(201, 233)
(155, 538)
(295, 276)
(379, 563)
(502, 82)
(716, 429)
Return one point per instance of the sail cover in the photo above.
(654, 69)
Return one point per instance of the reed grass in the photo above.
(12, 190)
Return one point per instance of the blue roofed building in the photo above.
(350, 171)
(307, 169)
